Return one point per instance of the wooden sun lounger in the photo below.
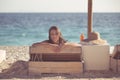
(115, 58)
(44, 59)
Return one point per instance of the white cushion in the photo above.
(96, 57)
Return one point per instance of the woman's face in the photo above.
(54, 35)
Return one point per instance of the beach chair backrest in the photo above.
(45, 52)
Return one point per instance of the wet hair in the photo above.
(61, 39)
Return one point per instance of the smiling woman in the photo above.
(55, 37)
(58, 5)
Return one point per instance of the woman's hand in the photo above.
(57, 49)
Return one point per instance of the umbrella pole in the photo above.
(89, 17)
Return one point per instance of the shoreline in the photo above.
(16, 66)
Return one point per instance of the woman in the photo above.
(56, 40)
(55, 37)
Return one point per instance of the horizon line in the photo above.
(58, 12)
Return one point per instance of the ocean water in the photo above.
(28, 28)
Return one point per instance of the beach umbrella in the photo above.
(89, 17)
(93, 37)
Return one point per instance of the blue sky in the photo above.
(58, 5)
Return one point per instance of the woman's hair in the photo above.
(61, 39)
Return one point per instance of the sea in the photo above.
(21, 29)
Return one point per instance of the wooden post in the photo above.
(89, 17)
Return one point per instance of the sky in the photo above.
(58, 5)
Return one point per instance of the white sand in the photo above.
(16, 67)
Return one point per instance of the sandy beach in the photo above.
(16, 67)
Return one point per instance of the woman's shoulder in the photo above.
(42, 42)
(45, 41)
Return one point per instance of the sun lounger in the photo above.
(115, 59)
(44, 59)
